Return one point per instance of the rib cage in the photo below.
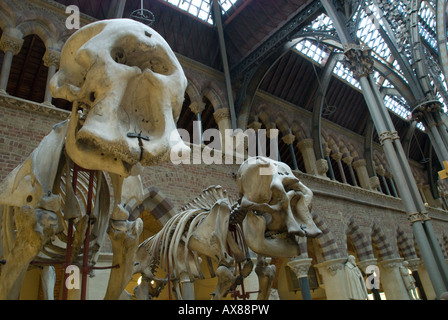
(55, 250)
(163, 247)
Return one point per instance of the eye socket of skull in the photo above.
(134, 51)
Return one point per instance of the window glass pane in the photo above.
(201, 8)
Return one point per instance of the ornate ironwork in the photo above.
(144, 16)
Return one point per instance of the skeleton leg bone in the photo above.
(34, 229)
(48, 278)
(225, 281)
(124, 236)
(266, 274)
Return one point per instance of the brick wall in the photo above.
(23, 125)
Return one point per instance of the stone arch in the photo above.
(282, 124)
(379, 160)
(193, 90)
(380, 243)
(8, 14)
(405, 246)
(45, 31)
(214, 96)
(333, 143)
(326, 244)
(161, 208)
(324, 140)
(298, 128)
(5, 21)
(361, 244)
(265, 117)
(355, 151)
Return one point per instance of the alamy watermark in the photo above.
(73, 20)
(235, 147)
(373, 280)
(73, 279)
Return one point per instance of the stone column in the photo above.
(309, 158)
(348, 161)
(426, 282)
(289, 139)
(373, 281)
(300, 268)
(428, 113)
(391, 279)
(360, 61)
(382, 172)
(361, 171)
(51, 60)
(337, 156)
(222, 118)
(255, 125)
(272, 134)
(11, 46)
(413, 265)
(197, 108)
(334, 280)
(392, 184)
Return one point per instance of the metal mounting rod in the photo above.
(225, 63)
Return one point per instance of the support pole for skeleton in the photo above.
(85, 258)
(222, 45)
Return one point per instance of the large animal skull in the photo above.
(278, 206)
(127, 89)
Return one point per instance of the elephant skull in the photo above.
(127, 89)
(278, 207)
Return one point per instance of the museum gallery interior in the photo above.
(223, 149)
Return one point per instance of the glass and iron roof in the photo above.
(201, 8)
(367, 33)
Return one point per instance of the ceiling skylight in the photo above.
(201, 8)
(368, 34)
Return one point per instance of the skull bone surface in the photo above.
(278, 204)
(127, 89)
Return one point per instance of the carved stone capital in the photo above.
(289, 138)
(359, 163)
(197, 107)
(51, 58)
(386, 135)
(300, 267)
(322, 166)
(255, 125)
(419, 112)
(359, 60)
(374, 182)
(336, 156)
(10, 43)
(332, 266)
(365, 263)
(380, 170)
(418, 217)
(391, 263)
(413, 264)
(221, 114)
(305, 144)
(348, 160)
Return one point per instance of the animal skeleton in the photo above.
(127, 89)
(273, 210)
